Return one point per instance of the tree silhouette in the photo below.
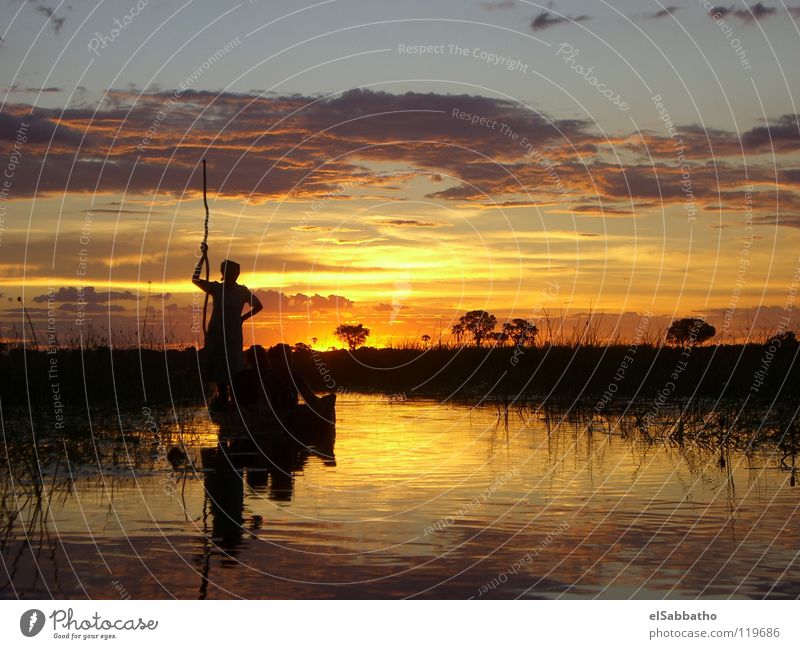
(352, 335)
(690, 332)
(520, 331)
(426, 339)
(480, 324)
(458, 332)
(500, 337)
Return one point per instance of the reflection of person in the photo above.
(225, 490)
(223, 342)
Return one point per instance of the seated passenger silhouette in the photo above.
(284, 384)
(249, 383)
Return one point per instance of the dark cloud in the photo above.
(788, 220)
(41, 128)
(56, 22)
(277, 301)
(790, 176)
(501, 4)
(310, 148)
(90, 295)
(719, 11)
(749, 14)
(600, 210)
(756, 12)
(663, 13)
(272, 147)
(512, 204)
(781, 135)
(545, 20)
(702, 143)
(16, 88)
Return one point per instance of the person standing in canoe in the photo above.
(224, 340)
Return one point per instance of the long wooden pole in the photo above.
(205, 253)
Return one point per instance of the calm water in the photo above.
(417, 499)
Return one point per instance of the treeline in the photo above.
(604, 375)
(601, 375)
(74, 379)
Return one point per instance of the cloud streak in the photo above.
(546, 20)
(752, 13)
(663, 13)
(501, 4)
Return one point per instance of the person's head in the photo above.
(256, 358)
(280, 357)
(230, 271)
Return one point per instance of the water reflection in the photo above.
(263, 462)
(419, 499)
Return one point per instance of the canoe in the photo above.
(266, 457)
(304, 424)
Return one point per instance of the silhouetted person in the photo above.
(249, 383)
(223, 343)
(283, 383)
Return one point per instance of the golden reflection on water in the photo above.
(419, 499)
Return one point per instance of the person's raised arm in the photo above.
(201, 283)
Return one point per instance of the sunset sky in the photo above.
(398, 164)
